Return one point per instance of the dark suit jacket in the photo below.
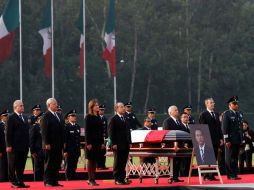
(2, 138)
(52, 131)
(209, 157)
(213, 124)
(119, 133)
(35, 140)
(17, 133)
(170, 124)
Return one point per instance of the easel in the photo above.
(202, 169)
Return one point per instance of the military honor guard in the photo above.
(120, 136)
(36, 110)
(232, 133)
(211, 118)
(17, 144)
(37, 153)
(52, 129)
(72, 144)
(101, 164)
(94, 139)
(151, 114)
(3, 155)
(131, 119)
(188, 109)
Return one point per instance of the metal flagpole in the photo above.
(20, 54)
(114, 90)
(84, 36)
(52, 48)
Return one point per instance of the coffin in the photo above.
(161, 143)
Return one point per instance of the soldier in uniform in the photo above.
(36, 110)
(35, 142)
(72, 144)
(187, 109)
(231, 129)
(102, 161)
(131, 119)
(151, 114)
(3, 155)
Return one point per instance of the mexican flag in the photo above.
(45, 32)
(149, 136)
(9, 21)
(109, 53)
(82, 41)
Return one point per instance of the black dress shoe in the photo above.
(176, 180)
(24, 185)
(15, 185)
(212, 178)
(49, 185)
(92, 182)
(58, 185)
(234, 178)
(127, 181)
(120, 183)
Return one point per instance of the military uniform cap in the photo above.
(59, 108)
(102, 107)
(151, 110)
(36, 107)
(128, 104)
(72, 112)
(233, 99)
(189, 107)
(4, 113)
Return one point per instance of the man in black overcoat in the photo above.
(3, 155)
(52, 128)
(120, 138)
(17, 144)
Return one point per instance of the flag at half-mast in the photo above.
(9, 21)
(109, 53)
(45, 32)
(80, 25)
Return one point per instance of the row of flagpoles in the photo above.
(11, 20)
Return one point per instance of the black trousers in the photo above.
(52, 165)
(185, 166)
(102, 159)
(176, 167)
(221, 160)
(38, 166)
(3, 168)
(120, 161)
(231, 160)
(16, 165)
(245, 155)
(71, 165)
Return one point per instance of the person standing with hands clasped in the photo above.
(94, 139)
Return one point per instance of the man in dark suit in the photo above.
(204, 153)
(211, 118)
(52, 128)
(102, 161)
(131, 120)
(173, 123)
(17, 144)
(120, 137)
(3, 155)
(35, 142)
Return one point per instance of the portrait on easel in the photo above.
(202, 144)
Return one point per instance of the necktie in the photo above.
(177, 122)
(122, 118)
(21, 117)
(202, 154)
(213, 115)
(56, 116)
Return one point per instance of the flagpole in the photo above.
(114, 90)
(20, 54)
(84, 58)
(52, 50)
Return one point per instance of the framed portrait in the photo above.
(202, 144)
